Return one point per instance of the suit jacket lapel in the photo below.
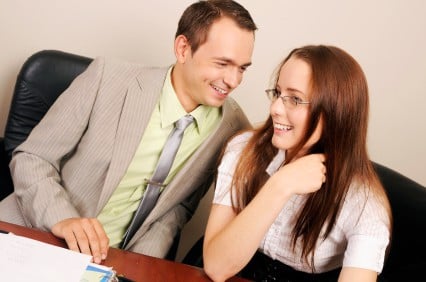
(140, 100)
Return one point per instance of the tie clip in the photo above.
(155, 183)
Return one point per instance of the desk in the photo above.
(132, 265)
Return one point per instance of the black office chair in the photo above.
(406, 260)
(42, 78)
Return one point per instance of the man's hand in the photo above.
(85, 235)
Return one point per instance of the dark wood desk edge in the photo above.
(117, 258)
(32, 233)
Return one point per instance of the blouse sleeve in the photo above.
(367, 229)
(226, 169)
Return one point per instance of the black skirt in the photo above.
(262, 268)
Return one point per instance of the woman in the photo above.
(298, 199)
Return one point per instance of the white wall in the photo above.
(387, 37)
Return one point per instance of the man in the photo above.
(83, 170)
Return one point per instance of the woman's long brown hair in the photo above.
(340, 96)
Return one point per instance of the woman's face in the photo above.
(290, 120)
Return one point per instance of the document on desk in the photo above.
(24, 259)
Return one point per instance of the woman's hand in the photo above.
(302, 176)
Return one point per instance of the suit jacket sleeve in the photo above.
(36, 163)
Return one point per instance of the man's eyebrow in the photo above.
(232, 62)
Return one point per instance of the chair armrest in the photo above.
(6, 185)
(195, 254)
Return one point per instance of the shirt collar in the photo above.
(276, 162)
(171, 109)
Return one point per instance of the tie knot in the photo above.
(184, 122)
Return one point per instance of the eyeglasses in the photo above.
(289, 102)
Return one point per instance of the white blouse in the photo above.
(359, 238)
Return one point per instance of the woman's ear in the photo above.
(182, 48)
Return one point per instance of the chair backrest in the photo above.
(42, 78)
(406, 260)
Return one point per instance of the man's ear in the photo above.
(182, 48)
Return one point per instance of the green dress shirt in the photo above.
(118, 212)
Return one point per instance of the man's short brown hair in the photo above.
(197, 19)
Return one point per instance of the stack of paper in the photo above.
(24, 259)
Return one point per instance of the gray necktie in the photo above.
(164, 164)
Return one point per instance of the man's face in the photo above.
(216, 68)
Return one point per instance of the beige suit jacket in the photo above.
(75, 157)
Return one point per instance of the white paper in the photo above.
(24, 259)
